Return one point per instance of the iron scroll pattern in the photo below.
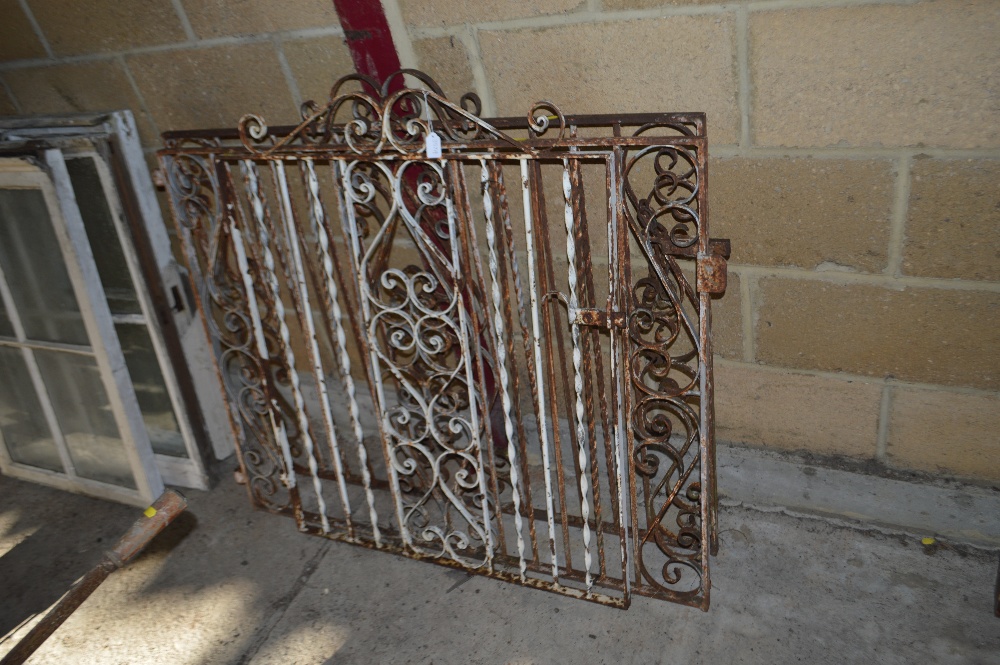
(666, 362)
(423, 324)
(416, 318)
(375, 121)
(193, 185)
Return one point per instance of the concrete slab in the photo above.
(947, 509)
(228, 585)
(785, 590)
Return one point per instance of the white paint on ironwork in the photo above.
(465, 333)
(343, 170)
(277, 425)
(257, 203)
(616, 294)
(536, 329)
(299, 276)
(501, 346)
(340, 340)
(581, 427)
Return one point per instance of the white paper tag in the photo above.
(432, 146)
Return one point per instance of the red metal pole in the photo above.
(369, 39)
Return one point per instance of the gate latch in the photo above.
(599, 318)
(712, 267)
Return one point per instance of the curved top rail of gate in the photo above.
(365, 118)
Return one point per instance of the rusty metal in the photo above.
(449, 357)
(155, 518)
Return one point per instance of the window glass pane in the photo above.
(151, 390)
(104, 241)
(22, 422)
(74, 386)
(35, 271)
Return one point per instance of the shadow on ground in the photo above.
(226, 584)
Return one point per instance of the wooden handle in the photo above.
(153, 521)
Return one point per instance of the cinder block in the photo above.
(796, 412)
(727, 321)
(17, 38)
(90, 86)
(680, 63)
(457, 12)
(945, 432)
(806, 213)
(928, 335)
(446, 60)
(220, 18)
(317, 64)
(100, 26)
(213, 87)
(877, 74)
(953, 226)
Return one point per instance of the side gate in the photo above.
(485, 344)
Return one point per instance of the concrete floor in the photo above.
(228, 585)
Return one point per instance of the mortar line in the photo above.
(286, 70)
(743, 73)
(871, 279)
(900, 210)
(858, 378)
(746, 315)
(470, 37)
(36, 27)
(138, 93)
(10, 95)
(185, 22)
(259, 38)
(854, 152)
(884, 410)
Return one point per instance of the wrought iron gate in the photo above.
(528, 308)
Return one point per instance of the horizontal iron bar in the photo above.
(506, 122)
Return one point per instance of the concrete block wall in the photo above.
(855, 164)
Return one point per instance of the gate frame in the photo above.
(202, 194)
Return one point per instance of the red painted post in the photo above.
(369, 39)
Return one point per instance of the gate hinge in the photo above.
(712, 267)
(599, 318)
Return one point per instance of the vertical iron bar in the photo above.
(277, 424)
(465, 326)
(476, 293)
(511, 256)
(501, 362)
(537, 348)
(581, 426)
(620, 299)
(264, 232)
(550, 314)
(592, 356)
(304, 311)
(334, 275)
